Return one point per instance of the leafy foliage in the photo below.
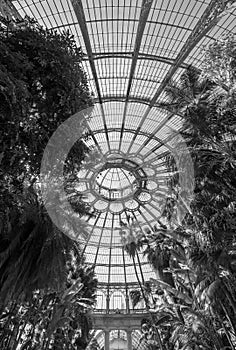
(42, 83)
(193, 298)
(46, 288)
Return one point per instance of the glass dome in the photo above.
(132, 49)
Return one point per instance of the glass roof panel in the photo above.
(131, 49)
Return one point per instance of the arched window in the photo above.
(101, 300)
(117, 301)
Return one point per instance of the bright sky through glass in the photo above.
(115, 178)
(130, 52)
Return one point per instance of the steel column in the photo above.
(129, 339)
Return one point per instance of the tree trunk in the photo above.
(226, 333)
(13, 339)
(231, 301)
(8, 322)
(228, 317)
(140, 284)
(147, 306)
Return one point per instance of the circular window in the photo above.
(115, 183)
(144, 197)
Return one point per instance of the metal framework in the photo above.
(146, 7)
(132, 50)
(130, 55)
(79, 12)
(209, 18)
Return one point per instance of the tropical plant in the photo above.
(194, 294)
(46, 289)
(52, 318)
(132, 239)
(36, 97)
(209, 226)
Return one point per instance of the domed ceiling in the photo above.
(132, 48)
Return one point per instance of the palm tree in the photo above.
(53, 317)
(39, 266)
(132, 240)
(35, 256)
(208, 113)
(37, 260)
(192, 96)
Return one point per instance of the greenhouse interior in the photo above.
(118, 175)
